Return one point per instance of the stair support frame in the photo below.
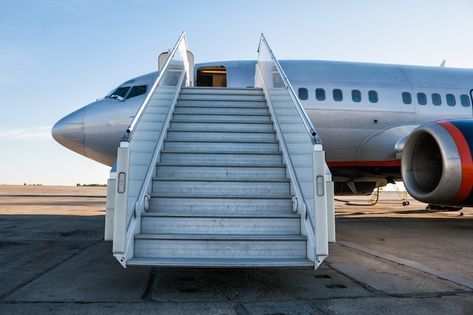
(319, 232)
(126, 226)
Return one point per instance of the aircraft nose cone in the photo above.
(69, 131)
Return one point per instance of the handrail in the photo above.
(129, 208)
(159, 144)
(307, 123)
(311, 189)
(153, 89)
(139, 206)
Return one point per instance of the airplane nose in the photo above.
(69, 131)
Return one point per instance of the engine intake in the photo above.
(437, 166)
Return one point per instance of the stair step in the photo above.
(157, 223)
(212, 90)
(221, 237)
(220, 111)
(212, 136)
(211, 114)
(220, 262)
(222, 118)
(223, 157)
(216, 204)
(220, 246)
(219, 146)
(220, 165)
(222, 104)
(220, 172)
(220, 188)
(221, 127)
(222, 97)
(220, 214)
(231, 198)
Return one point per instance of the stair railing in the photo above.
(136, 164)
(311, 180)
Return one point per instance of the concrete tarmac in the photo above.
(389, 259)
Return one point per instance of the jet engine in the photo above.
(437, 166)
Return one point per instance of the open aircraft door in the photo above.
(471, 99)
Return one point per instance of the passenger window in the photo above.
(356, 96)
(120, 93)
(436, 99)
(373, 96)
(320, 94)
(303, 94)
(337, 95)
(406, 98)
(136, 91)
(421, 98)
(451, 101)
(465, 100)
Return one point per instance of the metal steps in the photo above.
(219, 223)
(222, 145)
(220, 195)
(220, 188)
(202, 205)
(213, 136)
(221, 127)
(221, 97)
(208, 118)
(216, 91)
(221, 262)
(227, 157)
(221, 172)
(220, 246)
(200, 110)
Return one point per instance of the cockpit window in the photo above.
(120, 93)
(136, 90)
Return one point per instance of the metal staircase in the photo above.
(221, 196)
(220, 177)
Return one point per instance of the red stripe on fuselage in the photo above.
(466, 160)
(389, 163)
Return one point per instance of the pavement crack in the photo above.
(72, 255)
(240, 309)
(148, 294)
(316, 308)
(361, 284)
(454, 278)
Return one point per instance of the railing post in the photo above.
(110, 206)
(121, 199)
(320, 205)
(330, 191)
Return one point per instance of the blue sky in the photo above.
(56, 56)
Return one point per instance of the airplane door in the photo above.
(471, 99)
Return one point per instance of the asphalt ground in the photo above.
(388, 259)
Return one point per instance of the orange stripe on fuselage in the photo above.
(389, 163)
(466, 160)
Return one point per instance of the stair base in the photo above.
(221, 262)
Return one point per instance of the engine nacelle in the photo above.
(437, 166)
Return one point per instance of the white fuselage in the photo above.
(357, 132)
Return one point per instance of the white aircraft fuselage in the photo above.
(364, 113)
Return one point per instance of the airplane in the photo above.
(379, 122)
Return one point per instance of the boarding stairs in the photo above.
(205, 179)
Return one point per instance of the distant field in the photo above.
(52, 200)
(86, 201)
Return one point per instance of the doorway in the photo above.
(471, 98)
(212, 76)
